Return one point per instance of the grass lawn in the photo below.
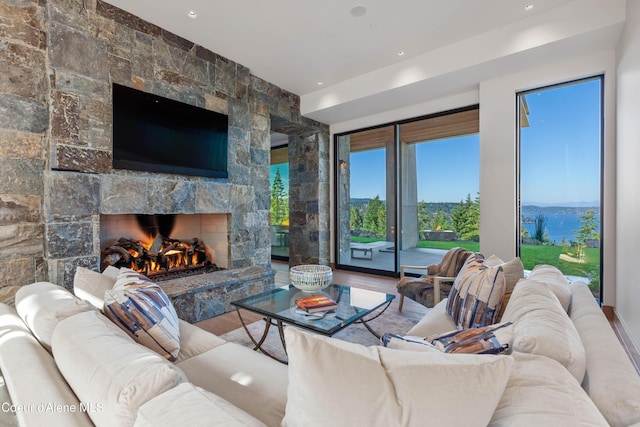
(531, 256)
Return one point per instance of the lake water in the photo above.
(559, 226)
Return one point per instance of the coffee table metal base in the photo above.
(269, 321)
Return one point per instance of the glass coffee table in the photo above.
(279, 308)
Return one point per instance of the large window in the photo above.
(420, 177)
(560, 154)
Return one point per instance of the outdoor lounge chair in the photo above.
(435, 285)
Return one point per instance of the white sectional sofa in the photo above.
(97, 375)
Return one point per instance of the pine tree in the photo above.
(465, 219)
(279, 201)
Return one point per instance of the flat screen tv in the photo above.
(156, 134)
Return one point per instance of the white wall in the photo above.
(628, 173)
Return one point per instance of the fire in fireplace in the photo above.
(157, 255)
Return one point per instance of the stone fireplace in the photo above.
(59, 185)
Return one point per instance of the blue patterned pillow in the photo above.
(494, 339)
(142, 309)
(476, 295)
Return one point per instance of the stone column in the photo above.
(309, 198)
(343, 180)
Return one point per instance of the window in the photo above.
(560, 173)
(419, 176)
(279, 212)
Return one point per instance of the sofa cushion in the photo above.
(476, 294)
(188, 405)
(492, 339)
(541, 392)
(337, 383)
(436, 321)
(611, 379)
(104, 366)
(142, 309)
(541, 326)
(42, 305)
(195, 340)
(555, 280)
(250, 380)
(91, 285)
(32, 378)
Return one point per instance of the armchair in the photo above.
(435, 285)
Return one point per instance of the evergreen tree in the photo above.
(465, 219)
(541, 224)
(279, 201)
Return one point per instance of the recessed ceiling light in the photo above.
(358, 10)
(400, 53)
(192, 14)
(320, 83)
(529, 6)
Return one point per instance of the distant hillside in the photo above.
(556, 210)
(528, 210)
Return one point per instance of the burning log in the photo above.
(162, 255)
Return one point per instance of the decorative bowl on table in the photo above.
(310, 277)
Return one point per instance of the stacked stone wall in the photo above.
(58, 59)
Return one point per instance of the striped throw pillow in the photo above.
(143, 310)
(476, 295)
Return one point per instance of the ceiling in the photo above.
(296, 44)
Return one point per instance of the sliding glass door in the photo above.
(418, 176)
(366, 199)
(560, 150)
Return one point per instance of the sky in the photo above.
(560, 155)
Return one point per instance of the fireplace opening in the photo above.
(158, 246)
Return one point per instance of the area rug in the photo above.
(391, 321)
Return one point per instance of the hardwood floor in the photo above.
(229, 321)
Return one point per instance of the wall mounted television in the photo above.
(156, 134)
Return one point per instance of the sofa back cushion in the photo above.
(541, 326)
(42, 305)
(32, 380)
(377, 386)
(142, 309)
(541, 392)
(476, 295)
(106, 367)
(611, 380)
(555, 280)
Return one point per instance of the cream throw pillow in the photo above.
(541, 326)
(91, 285)
(513, 270)
(337, 383)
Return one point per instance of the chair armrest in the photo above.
(436, 286)
(412, 267)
